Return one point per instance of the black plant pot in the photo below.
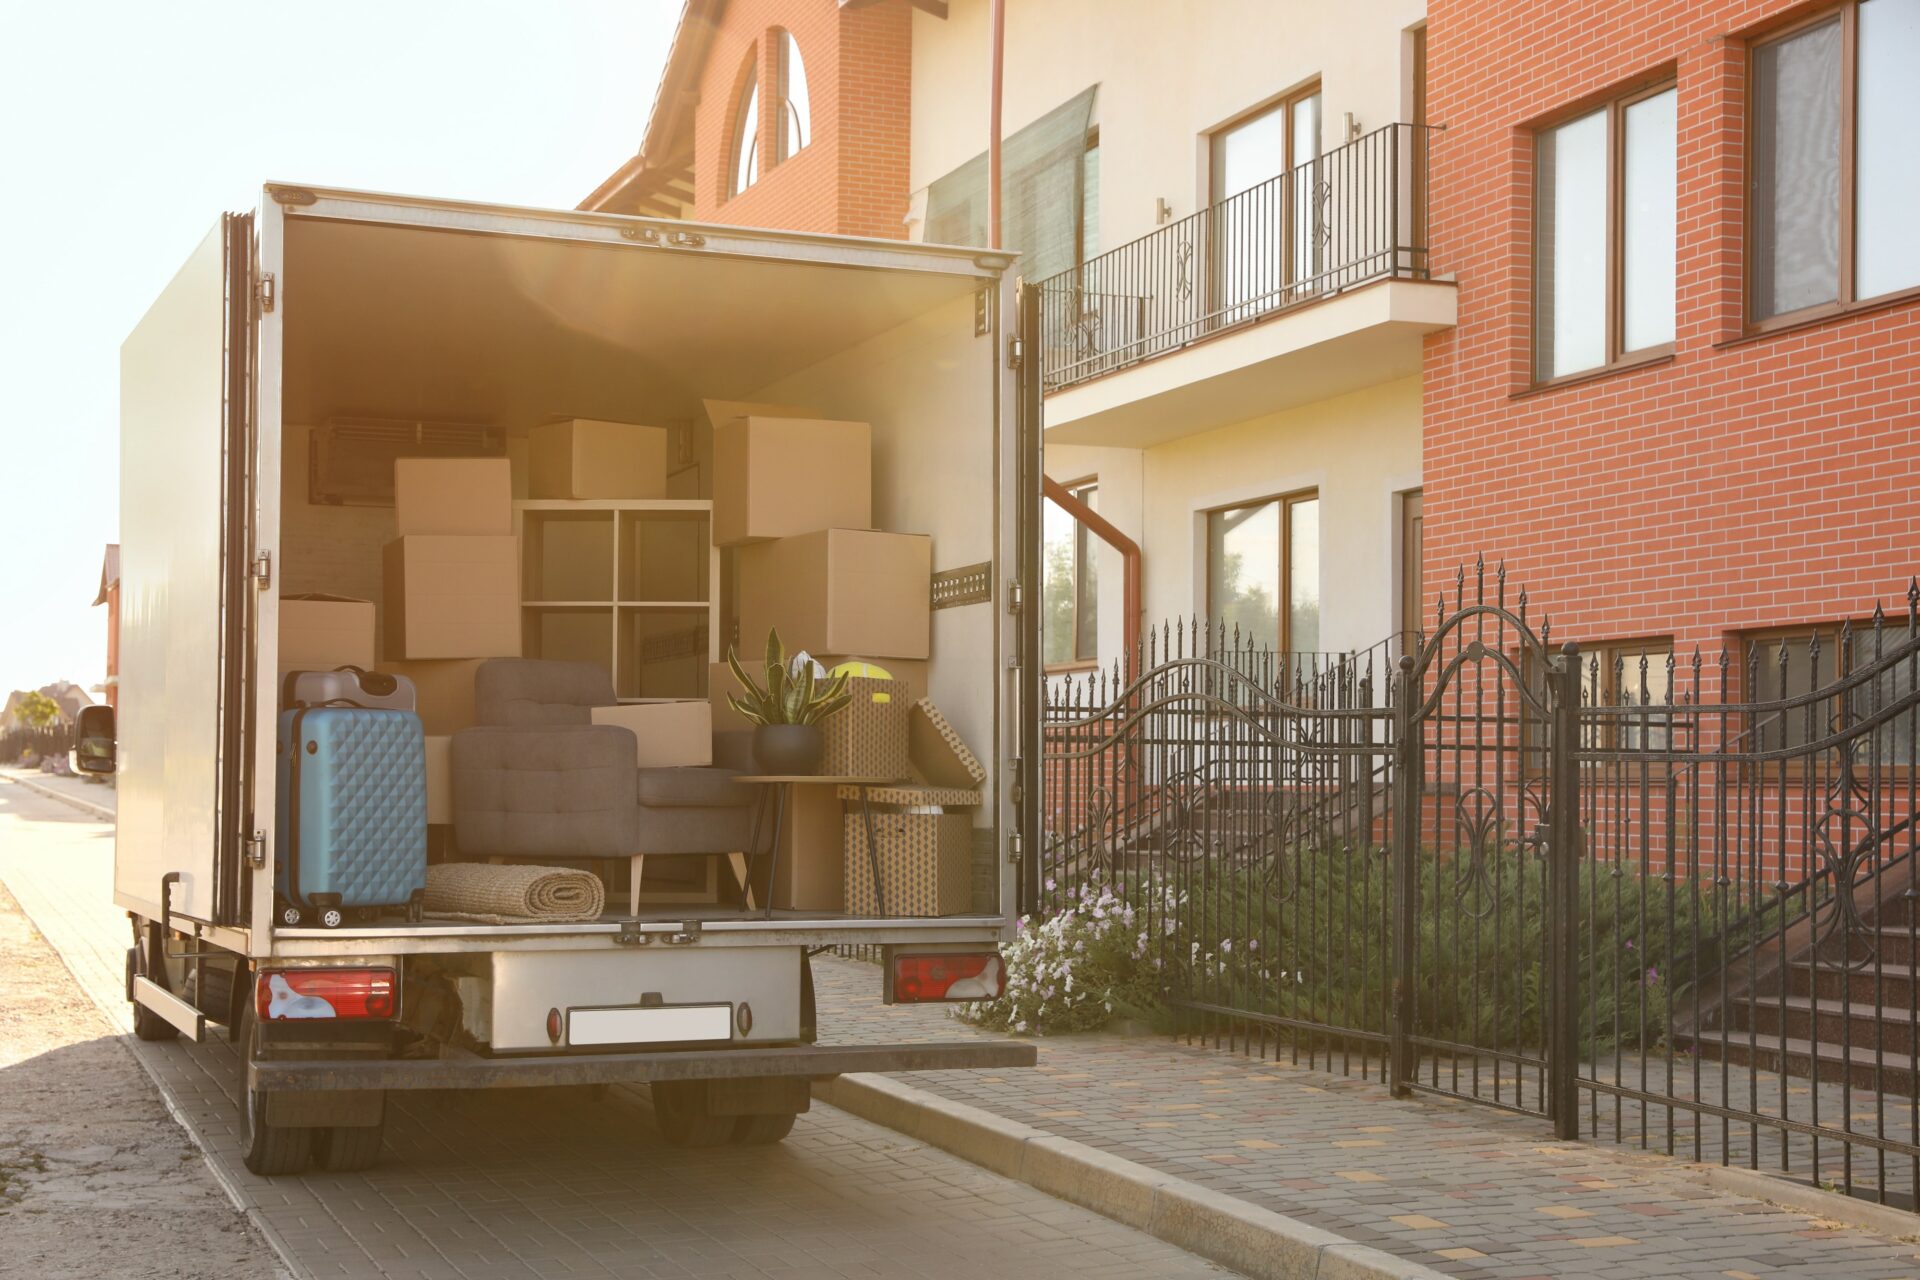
(788, 748)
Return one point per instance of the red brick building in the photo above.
(778, 113)
(1693, 451)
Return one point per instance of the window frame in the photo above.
(784, 39)
(1083, 552)
(1617, 357)
(1533, 753)
(1844, 664)
(1283, 105)
(1284, 603)
(748, 87)
(1845, 303)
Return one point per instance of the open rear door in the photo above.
(186, 440)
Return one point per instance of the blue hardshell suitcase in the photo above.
(351, 813)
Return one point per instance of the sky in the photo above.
(127, 128)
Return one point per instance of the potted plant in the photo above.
(787, 712)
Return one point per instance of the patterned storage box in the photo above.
(926, 850)
(937, 752)
(868, 738)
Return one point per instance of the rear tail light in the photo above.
(285, 994)
(922, 978)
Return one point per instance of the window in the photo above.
(1628, 674)
(1256, 260)
(1789, 664)
(1263, 572)
(796, 114)
(1831, 186)
(1071, 621)
(746, 131)
(1604, 235)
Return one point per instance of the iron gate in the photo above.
(1661, 900)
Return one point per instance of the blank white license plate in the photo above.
(676, 1025)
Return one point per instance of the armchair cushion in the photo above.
(531, 691)
(564, 791)
(694, 788)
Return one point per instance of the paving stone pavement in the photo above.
(550, 1183)
(1457, 1186)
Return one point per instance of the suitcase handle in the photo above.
(378, 683)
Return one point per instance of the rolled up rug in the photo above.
(488, 894)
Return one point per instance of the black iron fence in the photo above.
(24, 744)
(1353, 215)
(1664, 899)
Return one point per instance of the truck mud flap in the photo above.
(470, 1071)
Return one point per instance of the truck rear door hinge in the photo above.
(256, 848)
(1016, 353)
(1016, 596)
(263, 569)
(264, 290)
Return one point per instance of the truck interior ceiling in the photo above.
(421, 340)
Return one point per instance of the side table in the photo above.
(779, 786)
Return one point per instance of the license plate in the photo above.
(679, 1024)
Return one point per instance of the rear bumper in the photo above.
(470, 1071)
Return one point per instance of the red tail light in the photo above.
(920, 979)
(286, 994)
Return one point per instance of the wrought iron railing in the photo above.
(1353, 215)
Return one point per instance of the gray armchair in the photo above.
(537, 779)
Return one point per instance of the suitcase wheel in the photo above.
(332, 917)
(289, 914)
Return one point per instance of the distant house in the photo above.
(69, 697)
(110, 596)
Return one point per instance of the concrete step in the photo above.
(1862, 1024)
(1884, 1071)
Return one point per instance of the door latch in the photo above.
(687, 936)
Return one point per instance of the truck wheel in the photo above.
(272, 1149)
(681, 1113)
(762, 1131)
(348, 1149)
(147, 1025)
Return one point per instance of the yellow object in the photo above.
(864, 670)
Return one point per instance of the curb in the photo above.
(85, 806)
(1253, 1241)
(1798, 1197)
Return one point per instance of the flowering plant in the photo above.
(1075, 970)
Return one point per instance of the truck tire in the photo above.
(272, 1150)
(762, 1131)
(147, 1025)
(682, 1114)
(348, 1149)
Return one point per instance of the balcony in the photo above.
(1312, 284)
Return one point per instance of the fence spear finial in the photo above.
(1500, 583)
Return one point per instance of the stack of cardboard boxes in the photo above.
(793, 496)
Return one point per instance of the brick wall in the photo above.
(1746, 483)
(851, 178)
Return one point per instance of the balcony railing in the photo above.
(1354, 215)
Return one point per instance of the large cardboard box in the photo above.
(671, 734)
(720, 682)
(442, 689)
(721, 412)
(590, 458)
(839, 591)
(321, 632)
(775, 477)
(925, 859)
(439, 779)
(868, 738)
(453, 597)
(452, 495)
(810, 875)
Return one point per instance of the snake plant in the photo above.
(791, 694)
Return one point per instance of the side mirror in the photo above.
(94, 749)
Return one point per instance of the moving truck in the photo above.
(328, 306)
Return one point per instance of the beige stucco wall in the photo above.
(1169, 71)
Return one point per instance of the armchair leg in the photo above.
(636, 863)
(738, 861)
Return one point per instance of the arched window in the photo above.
(746, 131)
(796, 115)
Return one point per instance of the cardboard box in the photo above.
(452, 495)
(868, 737)
(443, 691)
(721, 412)
(926, 862)
(720, 682)
(439, 779)
(321, 632)
(671, 734)
(589, 458)
(839, 591)
(811, 874)
(453, 597)
(776, 477)
(520, 462)
(938, 754)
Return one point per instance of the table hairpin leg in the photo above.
(873, 852)
(773, 849)
(753, 851)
